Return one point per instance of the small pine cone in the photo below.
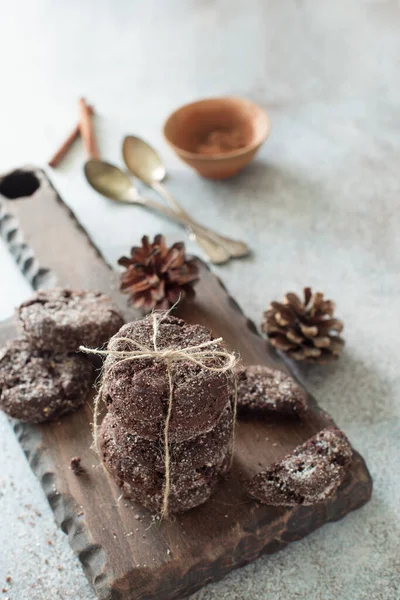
(304, 330)
(156, 276)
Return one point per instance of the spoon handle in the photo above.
(236, 249)
(172, 201)
(215, 253)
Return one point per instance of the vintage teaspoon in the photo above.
(145, 163)
(113, 183)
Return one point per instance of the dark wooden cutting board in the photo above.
(126, 554)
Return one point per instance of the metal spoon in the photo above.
(145, 163)
(113, 183)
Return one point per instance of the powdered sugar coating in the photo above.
(264, 390)
(179, 500)
(310, 474)
(61, 320)
(39, 386)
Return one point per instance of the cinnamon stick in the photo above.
(86, 129)
(66, 145)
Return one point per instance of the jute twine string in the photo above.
(203, 355)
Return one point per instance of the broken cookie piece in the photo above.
(263, 390)
(309, 474)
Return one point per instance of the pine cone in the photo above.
(156, 276)
(304, 330)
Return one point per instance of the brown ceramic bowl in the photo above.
(218, 137)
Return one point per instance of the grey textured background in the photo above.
(320, 206)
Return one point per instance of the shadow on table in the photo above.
(352, 390)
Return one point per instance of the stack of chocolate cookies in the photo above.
(200, 429)
(42, 375)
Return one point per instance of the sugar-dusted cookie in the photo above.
(138, 390)
(61, 320)
(264, 390)
(38, 386)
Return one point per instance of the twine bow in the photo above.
(203, 355)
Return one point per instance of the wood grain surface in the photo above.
(125, 552)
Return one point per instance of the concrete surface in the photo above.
(320, 206)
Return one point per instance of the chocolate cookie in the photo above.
(125, 469)
(264, 390)
(207, 449)
(179, 500)
(38, 386)
(61, 320)
(309, 474)
(147, 486)
(138, 390)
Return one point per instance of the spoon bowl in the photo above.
(108, 180)
(142, 160)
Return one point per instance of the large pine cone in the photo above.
(156, 276)
(304, 330)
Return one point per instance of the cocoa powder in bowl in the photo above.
(219, 141)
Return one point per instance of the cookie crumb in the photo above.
(76, 466)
